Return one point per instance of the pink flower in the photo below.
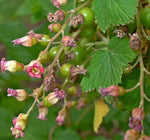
(19, 94)
(135, 121)
(59, 93)
(112, 90)
(35, 69)
(58, 3)
(131, 134)
(53, 97)
(43, 111)
(61, 116)
(19, 125)
(12, 66)
(27, 41)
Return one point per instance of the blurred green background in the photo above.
(17, 17)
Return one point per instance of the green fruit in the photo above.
(73, 91)
(80, 55)
(88, 31)
(127, 69)
(44, 57)
(83, 41)
(145, 17)
(88, 15)
(56, 27)
(46, 102)
(65, 69)
(44, 41)
(53, 52)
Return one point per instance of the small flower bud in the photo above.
(54, 27)
(19, 125)
(58, 16)
(135, 43)
(68, 41)
(38, 92)
(27, 41)
(58, 3)
(53, 97)
(131, 135)
(12, 66)
(119, 33)
(61, 116)
(135, 121)
(79, 19)
(138, 114)
(43, 111)
(19, 94)
(44, 57)
(112, 90)
(35, 69)
(35, 35)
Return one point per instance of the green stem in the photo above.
(133, 88)
(31, 108)
(137, 61)
(83, 114)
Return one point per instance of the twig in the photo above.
(133, 88)
(146, 98)
(52, 131)
(101, 36)
(146, 71)
(31, 108)
(83, 114)
(137, 61)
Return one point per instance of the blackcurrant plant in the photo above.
(91, 59)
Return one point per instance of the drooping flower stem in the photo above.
(31, 108)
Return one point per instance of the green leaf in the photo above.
(114, 12)
(131, 99)
(105, 68)
(66, 134)
(6, 122)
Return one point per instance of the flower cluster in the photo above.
(19, 125)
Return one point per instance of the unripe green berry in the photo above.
(65, 69)
(45, 40)
(88, 15)
(44, 57)
(73, 91)
(46, 102)
(121, 91)
(127, 69)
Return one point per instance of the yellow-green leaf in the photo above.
(101, 110)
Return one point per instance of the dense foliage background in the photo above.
(16, 19)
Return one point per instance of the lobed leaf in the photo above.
(114, 12)
(105, 68)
